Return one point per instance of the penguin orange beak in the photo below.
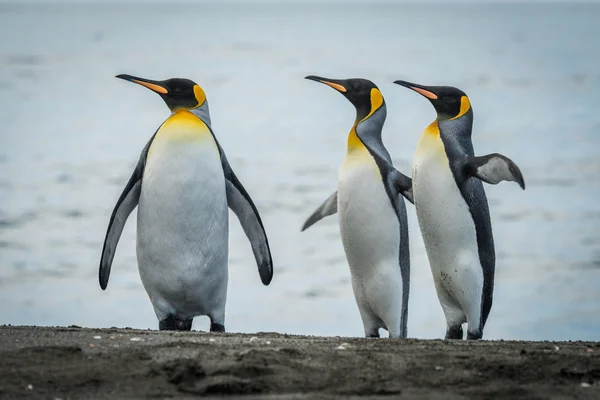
(334, 83)
(422, 90)
(155, 86)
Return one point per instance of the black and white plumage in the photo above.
(183, 185)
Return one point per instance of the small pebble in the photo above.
(211, 340)
(30, 387)
(268, 342)
(253, 338)
(556, 348)
(585, 384)
(439, 368)
(136, 339)
(97, 337)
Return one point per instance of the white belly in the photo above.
(182, 238)
(368, 223)
(447, 227)
(371, 236)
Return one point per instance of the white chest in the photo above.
(183, 188)
(444, 218)
(368, 223)
(183, 159)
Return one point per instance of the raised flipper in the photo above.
(494, 168)
(125, 205)
(329, 207)
(241, 204)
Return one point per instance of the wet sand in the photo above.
(75, 363)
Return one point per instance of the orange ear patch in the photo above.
(152, 86)
(425, 93)
(200, 95)
(376, 102)
(336, 86)
(465, 105)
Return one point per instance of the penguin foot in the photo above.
(373, 335)
(216, 327)
(454, 332)
(172, 324)
(474, 335)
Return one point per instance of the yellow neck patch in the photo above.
(431, 145)
(354, 141)
(432, 129)
(200, 95)
(465, 106)
(184, 126)
(357, 153)
(181, 127)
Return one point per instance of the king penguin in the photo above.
(452, 209)
(372, 214)
(183, 185)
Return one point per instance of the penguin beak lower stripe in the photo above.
(152, 86)
(336, 86)
(426, 93)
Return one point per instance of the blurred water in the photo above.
(71, 135)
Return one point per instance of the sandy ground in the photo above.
(76, 363)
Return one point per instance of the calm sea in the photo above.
(71, 134)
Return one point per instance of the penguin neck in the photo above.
(202, 112)
(367, 127)
(460, 127)
(456, 135)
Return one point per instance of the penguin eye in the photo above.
(177, 89)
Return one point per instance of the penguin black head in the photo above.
(178, 93)
(448, 101)
(362, 93)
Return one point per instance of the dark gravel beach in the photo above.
(75, 363)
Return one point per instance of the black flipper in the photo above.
(241, 204)
(328, 207)
(494, 168)
(125, 205)
(402, 183)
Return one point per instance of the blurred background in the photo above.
(71, 135)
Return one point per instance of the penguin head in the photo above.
(362, 93)
(178, 93)
(449, 102)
